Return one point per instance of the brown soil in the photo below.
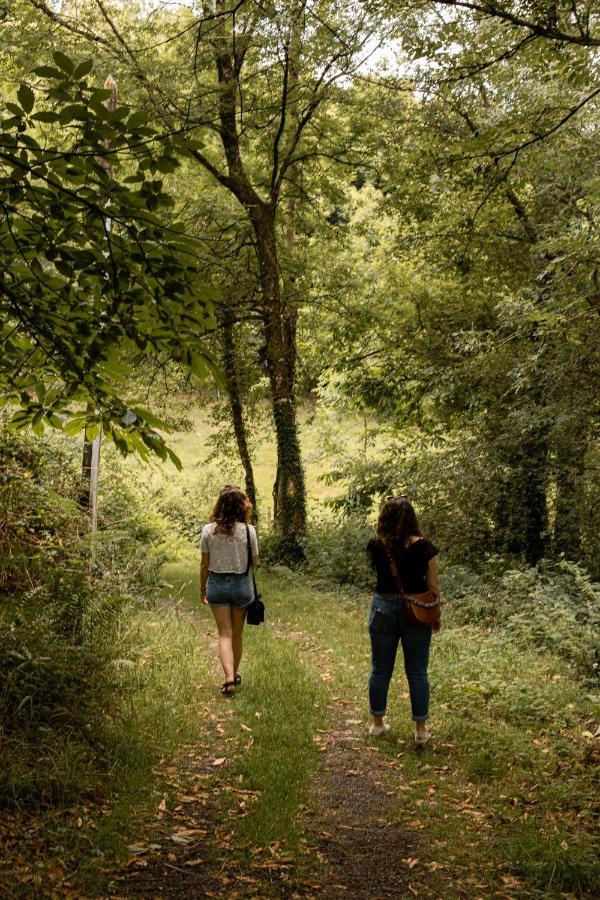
(363, 850)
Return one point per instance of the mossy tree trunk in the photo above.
(570, 480)
(236, 404)
(278, 319)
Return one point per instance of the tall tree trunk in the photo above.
(534, 498)
(521, 510)
(235, 404)
(290, 500)
(570, 468)
(278, 317)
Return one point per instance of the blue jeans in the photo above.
(388, 626)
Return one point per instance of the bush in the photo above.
(554, 606)
(336, 552)
(60, 619)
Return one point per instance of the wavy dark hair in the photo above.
(232, 506)
(397, 522)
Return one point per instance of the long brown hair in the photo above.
(397, 522)
(232, 506)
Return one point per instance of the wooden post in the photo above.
(90, 469)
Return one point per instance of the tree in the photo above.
(483, 341)
(79, 297)
(255, 83)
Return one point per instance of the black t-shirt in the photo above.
(412, 566)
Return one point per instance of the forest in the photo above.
(332, 253)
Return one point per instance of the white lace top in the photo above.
(228, 552)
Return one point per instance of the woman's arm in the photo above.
(433, 582)
(203, 577)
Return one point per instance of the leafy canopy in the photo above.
(94, 275)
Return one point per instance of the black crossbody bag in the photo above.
(256, 610)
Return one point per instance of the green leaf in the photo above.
(13, 108)
(26, 97)
(83, 68)
(63, 62)
(74, 426)
(150, 419)
(136, 120)
(48, 72)
(174, 459)
(92, 431)
(167, 164)
(53, 420)
(45, 116)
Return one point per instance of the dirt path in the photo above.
(354, 846)
(364, 851)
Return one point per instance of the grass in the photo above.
(324, 436)
(506, 796)
(103, 789)
(278, 711)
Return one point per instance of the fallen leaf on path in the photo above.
(511, 882)
(135, 861)
(219, 761)
(190, 831)
(194, 862)
(137, 848)
(163, 803)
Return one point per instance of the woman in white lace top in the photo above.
(227, 544)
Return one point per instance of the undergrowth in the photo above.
(66, 606)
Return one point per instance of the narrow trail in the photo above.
(353, 844)
(363, 852)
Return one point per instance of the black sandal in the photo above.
(225, 691)
(237, 679)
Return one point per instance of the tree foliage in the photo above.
(95, 272)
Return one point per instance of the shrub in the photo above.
(554, 606)
(60, 619)
(336, 552)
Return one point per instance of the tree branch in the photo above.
(549, 31)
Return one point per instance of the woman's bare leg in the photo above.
(238, 617)
(222, 616)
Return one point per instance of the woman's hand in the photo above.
(204, 559)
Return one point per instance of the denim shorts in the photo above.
(225, 588)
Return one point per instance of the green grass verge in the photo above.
(507, 795)
(104, 786)
(274, 718)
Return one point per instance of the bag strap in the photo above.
(250, 566)
(395, 572)
(249, 559)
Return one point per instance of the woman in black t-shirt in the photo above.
(399, 535)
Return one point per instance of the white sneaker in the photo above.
(379, 730)
(423, 738)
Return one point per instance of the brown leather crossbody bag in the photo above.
(421, 609)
